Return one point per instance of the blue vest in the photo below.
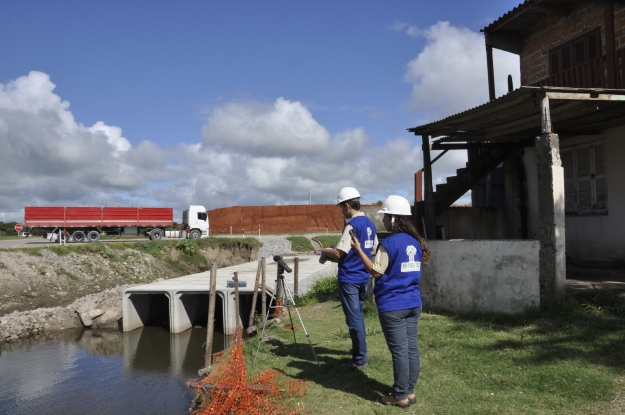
(398, 287)
(351, 268)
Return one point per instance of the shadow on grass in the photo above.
(589, 328)
(329, 374)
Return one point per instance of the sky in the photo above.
(215, 103)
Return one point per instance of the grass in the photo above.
(68, 274)
(328, 240)
(568, 360)
(300, 244)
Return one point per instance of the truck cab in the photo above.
(196, 219)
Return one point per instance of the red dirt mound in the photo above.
(276, 219)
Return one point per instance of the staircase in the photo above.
(481, 162)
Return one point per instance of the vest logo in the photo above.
(369, 242)
(411, 265)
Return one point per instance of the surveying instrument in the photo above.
(287, 301)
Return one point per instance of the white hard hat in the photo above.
(347, 193)
(396, 205)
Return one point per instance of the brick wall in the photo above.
(555, 30)
(619, 25)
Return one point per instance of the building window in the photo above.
(575, 52)
(585, 183)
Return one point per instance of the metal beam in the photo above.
(467, 146)
(585, 96)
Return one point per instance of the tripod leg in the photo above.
(288, 308)
(290, 296)
(260, 339)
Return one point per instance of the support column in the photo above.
(430, 225)
(552, 258)
(491, 71)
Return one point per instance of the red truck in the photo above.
(87, 223)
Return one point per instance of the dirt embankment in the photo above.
(276, 219)
(31, 278)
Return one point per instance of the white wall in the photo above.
(602, 237)
(498, 276)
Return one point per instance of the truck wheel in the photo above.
(195, 234)
(93, 236)
(78, 236)
(156, 234)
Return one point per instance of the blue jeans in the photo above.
(352, 299)
(400, 330)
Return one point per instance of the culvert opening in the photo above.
(152, 309)
(196, 307)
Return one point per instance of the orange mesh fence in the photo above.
(217, 356)
(228, 390)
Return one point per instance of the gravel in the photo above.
(274, 246)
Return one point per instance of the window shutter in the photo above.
(584, 185)
(594, 46)
(570, 195)
(555, 68)
(601, 191)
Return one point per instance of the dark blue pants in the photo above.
(400, 330)
(352, 300)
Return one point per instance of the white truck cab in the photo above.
(196, 219)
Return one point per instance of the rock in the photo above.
(87, 317)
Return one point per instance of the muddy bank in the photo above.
(56, 276)
(101, 310)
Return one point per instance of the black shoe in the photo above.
(391, 400)
(352, 365)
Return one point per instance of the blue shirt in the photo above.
(398, 287)
(351, 268)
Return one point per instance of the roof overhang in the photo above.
(505, 33)
(516, 116)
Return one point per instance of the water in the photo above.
(102, 372)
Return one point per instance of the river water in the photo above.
(102, 372)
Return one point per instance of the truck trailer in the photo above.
(81, 224)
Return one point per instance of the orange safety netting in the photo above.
(227, 389)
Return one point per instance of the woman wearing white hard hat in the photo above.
(396, 268)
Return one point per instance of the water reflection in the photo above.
(102, 372)
(153, 349)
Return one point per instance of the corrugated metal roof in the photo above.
(516, 115)
(526, 13)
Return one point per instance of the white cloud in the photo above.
(251, 153)
(282, 128)
(449, 75)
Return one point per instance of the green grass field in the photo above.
(565, 361)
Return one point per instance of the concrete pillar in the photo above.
(551, 218)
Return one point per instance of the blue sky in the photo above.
(230, 103)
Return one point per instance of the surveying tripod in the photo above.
(288, 300)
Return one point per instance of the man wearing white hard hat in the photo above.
(353, 276)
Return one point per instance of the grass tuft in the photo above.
(300, 244)
(328, 240)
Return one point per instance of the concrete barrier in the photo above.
(484, 276)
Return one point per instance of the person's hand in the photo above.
(355, 244)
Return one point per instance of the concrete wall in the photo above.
(473, 223)
(482, 276)
(601, 237)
